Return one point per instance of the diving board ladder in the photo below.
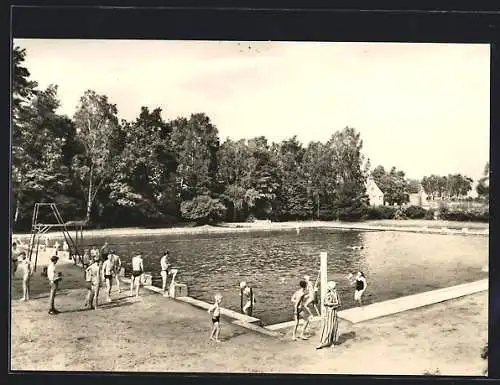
(38, 229)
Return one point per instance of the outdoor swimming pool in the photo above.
(395, 263)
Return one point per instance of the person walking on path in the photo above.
(300, 311)
(214, 311)
(27, 272)
(137, 271)
(247, 299)
(330, 320)
(54, 277)
(93, 280)
(165, 265)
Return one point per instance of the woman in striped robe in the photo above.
(330, 321)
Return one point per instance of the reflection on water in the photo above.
(395, 263)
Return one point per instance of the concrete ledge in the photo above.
(382, 309)
(226, 312)
(256, 328)
(288, 324)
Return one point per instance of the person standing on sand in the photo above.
(14, 256)
(330, 321)
(93, 280)
(312, 290)
(54, 277)
(137, 271)
(107, 269)
(116, 264)
(214, 310)
(300, 311)
(86, 261)
(27, 272)
(247, 299)
(164, 264)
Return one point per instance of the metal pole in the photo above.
(324, 278)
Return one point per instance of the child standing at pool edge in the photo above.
(214, 310)
(360, 282)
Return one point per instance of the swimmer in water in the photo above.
(214, 311)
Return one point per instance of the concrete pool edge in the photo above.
(402, 304)
(243, 320)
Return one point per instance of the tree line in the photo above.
(148, 171)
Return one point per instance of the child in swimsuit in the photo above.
(214, 310)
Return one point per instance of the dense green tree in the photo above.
(144, 177)
(393, 184)
(39, 169)
(203, 209)
(196, 143)
(295, 200)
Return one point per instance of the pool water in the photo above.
(395, 263)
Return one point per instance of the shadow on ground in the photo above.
(344, 337)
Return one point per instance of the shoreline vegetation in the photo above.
(414, 225)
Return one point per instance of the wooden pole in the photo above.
(324, 278)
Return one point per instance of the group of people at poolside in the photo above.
(103, 265)
(100, 266)
(303, 299)
(307, 296)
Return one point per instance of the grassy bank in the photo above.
(159, 334)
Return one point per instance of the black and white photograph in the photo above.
(232, 206)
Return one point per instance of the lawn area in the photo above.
(154, 333)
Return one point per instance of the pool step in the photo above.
(382, 309)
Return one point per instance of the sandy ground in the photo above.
(158, 334)
(263, 225)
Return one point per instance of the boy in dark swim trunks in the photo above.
(137, 271)
(214, 310)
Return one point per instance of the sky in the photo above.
(424, 108)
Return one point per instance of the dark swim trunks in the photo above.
(108, 276)
(216, 319)
(136, 273)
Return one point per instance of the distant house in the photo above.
(418, 199)
(374, 193)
